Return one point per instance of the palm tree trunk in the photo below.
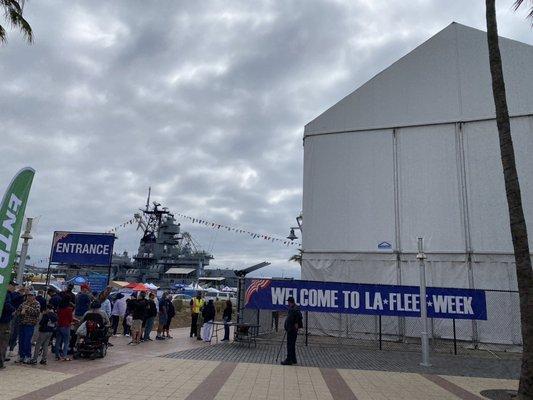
(524, 273)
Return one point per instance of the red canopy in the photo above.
(137, 287)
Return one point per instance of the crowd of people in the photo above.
(55, 320)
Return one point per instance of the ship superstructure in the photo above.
(166, 255)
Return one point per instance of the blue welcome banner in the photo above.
(80, 248)
(352, 298)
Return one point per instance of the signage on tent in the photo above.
(82, 248)
(352, 298)
(97, 282)
(384, 246)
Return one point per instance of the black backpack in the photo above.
(299, 319)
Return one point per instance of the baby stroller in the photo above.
(94, 343)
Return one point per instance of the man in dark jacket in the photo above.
(17, 298)
(41, 300)
(293, 322)
(150, 317)
(82, 301)
(208, 314)
(54, 298)
(5, 327)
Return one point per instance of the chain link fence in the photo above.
(500, 332)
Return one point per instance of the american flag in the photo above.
(255, 286)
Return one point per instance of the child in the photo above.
(47, 326)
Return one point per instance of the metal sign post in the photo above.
(423, 305)
(24, 251)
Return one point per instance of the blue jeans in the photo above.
(226, 328)
(62, 341)
(25, 334)
(148, 328)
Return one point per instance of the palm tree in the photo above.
(297, 257)
(13, 14)
(524, 273)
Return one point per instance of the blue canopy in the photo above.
(78, 280)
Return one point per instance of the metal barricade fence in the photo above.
(500, 332)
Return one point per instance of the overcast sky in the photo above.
(204, 101)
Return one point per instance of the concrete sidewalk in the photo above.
(179, 369)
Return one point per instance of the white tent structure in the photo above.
(414, 152)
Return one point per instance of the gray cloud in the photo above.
(203, 101)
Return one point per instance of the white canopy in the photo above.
(151, 286)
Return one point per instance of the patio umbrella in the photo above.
(138, 287)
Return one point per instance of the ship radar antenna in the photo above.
(148, 199)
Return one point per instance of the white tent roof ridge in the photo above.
(445, 79)
(179, 271)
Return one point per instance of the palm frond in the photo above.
(18, 21)
(517, 5)
(3, 37)
(13, 13)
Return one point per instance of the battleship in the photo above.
(166, 255)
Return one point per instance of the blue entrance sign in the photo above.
(81, 248)
(351, 298)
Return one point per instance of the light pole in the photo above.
(421, 256)
(292, 236)
(24, 250)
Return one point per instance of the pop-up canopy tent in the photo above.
(414, 152)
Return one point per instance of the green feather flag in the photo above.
(11, 216)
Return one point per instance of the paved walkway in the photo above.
(186, 369)
(363, 359)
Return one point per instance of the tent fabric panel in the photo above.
(475, 78)
(348, 192)
(489, 218)
(492, 272)
(430, 205)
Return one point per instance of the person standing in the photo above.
(118, 312)
(103, 298)
(82, 300)
(128, 319)
(29, 313)
(17, 298)
(69, 295)
(162, 317)
(54, 298)
(47, 326)
(41, 300)
(138, 312)
(208, 314)
(226, 317)
(293, 322)
(171, 312)
(5, 327)
(196, 305)
(150, 317)
(64, 321)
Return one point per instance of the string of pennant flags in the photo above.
(216, 225)
(253, 235)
